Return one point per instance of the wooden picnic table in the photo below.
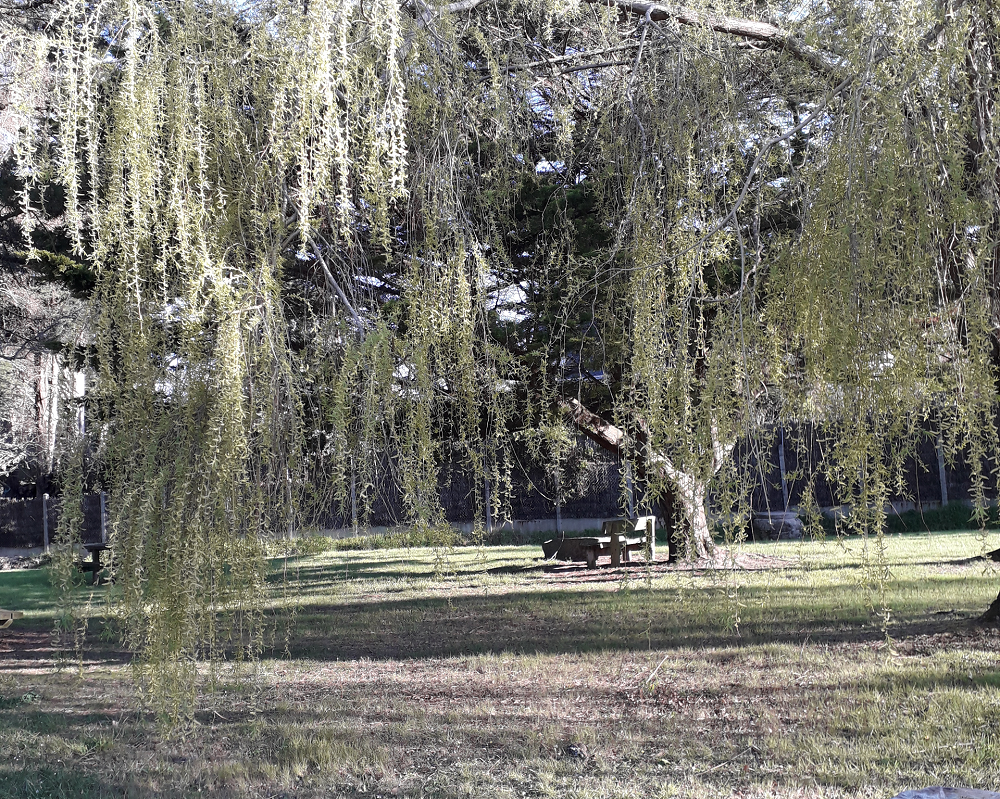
(619, 538)
(94, 564)
(7, 616)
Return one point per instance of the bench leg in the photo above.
(591, 558)
(95, 566)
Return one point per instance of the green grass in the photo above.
(476, 672)
(28, 590)
(955, 516)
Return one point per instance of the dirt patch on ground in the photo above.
(39, 651)
(979, 637)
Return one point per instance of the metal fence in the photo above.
(786, 463)
(29, 523)
(781, 466)
(590, 486)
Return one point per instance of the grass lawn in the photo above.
(478, 673)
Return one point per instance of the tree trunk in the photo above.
(691, 490)
(692, 493)
(992, 612)
(983, 67)
(665, 507)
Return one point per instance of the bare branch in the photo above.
(332, 283)
(462, 5)
(764, 150)
(766, 33)
(572, 57)
(598, 65)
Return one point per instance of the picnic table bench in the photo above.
(7, 616)
(619, 538)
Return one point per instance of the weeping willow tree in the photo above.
(328, 231)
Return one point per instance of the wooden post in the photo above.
(651, 536)
(942, 474)
(45, 521)
(616, 545)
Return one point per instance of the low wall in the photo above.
(20, 552)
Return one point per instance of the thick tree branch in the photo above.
(599, 65)
(767, 34)
(691, 490)
(602, 433)
(572, 57)
(764, 32)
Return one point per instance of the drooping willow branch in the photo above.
(504, 229)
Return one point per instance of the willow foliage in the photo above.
(309, 222)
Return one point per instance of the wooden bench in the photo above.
(7, 616)
(619, 538)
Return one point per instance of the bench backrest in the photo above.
(640, 524)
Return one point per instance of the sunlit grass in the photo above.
(477, 672)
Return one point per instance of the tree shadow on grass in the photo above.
(567, 621)
(918, 680)
(36, 648)
(54, 784)
(367, 568)
(20, 715)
